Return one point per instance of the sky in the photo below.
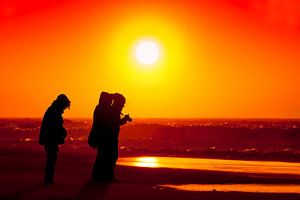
(217, 59)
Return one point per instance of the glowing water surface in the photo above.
(240, 166)
(213, 165)
(262, 188)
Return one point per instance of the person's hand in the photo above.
(128, 118)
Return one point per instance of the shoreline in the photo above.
(21, 175)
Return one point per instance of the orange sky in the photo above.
(220, 58)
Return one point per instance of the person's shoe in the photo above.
(101, 180)
(114, 179)
(48, 182)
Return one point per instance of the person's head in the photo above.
(119, 101)
(105, 99)
(62, 101)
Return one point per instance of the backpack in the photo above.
(92, 138)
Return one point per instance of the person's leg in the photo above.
(51, 153)
(104, 164)
(114, 158)
(96, 173)
(112, 172)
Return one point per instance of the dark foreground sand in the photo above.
(21, 172)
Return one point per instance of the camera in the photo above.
(128, 118)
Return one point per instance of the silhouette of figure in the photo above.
(100, 136)
(104, 135)
(117, 121)
(53, 133)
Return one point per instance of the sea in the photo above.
(240, 139)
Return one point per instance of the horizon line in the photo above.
(174, 118)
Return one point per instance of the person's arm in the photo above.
(123, 121)
(60, 131)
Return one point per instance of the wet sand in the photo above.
(255, 167)
(21, 173)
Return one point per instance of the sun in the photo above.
(147, 52)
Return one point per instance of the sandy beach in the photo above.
(22, 171)
(198, 99)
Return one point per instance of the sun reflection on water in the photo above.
(145, 162)
(240, 166)
(236, 166)
(261, 188)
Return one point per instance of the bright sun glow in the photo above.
(146, 162)
(147, 52)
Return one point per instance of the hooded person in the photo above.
(98, 133)
(116, 121)
(53, 133)
(100, 136)
(105, 131)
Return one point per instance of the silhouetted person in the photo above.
(52, 133)
(104, 134)
(117, 121)
(100, 137)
